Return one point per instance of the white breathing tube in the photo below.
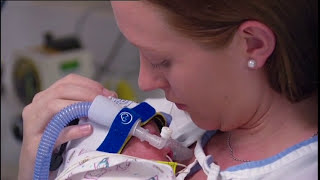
(179, 152)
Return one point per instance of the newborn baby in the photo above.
(137, 159)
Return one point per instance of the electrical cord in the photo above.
(79, 26)
(110, 58)
(118, 43)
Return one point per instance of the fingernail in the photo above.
(85, 127)
(114, 94)
(109, 93)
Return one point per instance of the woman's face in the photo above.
(206, 83)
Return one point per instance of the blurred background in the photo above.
(41, 42)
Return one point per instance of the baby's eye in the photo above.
(164, 64)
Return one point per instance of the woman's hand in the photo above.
(68, 90)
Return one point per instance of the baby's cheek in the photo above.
(144, 150)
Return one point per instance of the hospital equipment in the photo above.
(36, 68)
(121, 121)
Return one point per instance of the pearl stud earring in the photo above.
(252, 63)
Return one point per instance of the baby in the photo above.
(137, 159)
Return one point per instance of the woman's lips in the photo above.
(181, 106)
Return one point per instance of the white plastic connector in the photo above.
(180, 153)
(166, 132)
(144, 135)
(103, 111)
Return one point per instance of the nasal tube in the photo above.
(179, 152)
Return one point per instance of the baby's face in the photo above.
(143, 149)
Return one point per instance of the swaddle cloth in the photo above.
(83, 164)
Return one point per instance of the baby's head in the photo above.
(114, 123)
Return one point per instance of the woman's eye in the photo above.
(163, 64)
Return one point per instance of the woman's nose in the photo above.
(149, 79)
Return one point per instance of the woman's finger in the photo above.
(36, 116)
(73, 132)
(77, 80)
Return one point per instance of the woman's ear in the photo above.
(259, 43)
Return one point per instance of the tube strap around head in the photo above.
(118, 134)
(145, 111)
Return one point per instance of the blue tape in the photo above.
(145, 110)
(122, 125)
(119, 131)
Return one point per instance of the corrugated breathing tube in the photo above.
(51, 133)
